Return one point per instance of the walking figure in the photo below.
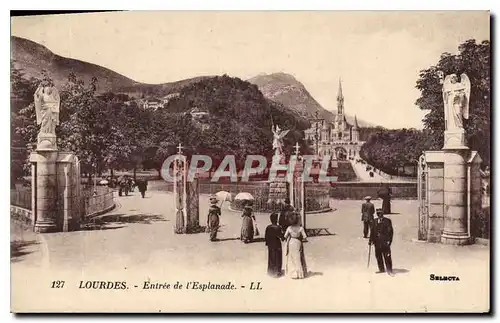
(285, 215)
(213, 221)
(381, 236)
(142, 185)
(295, 235)
(367, 211)
(274, 236)
(385, 193)
(247, 225)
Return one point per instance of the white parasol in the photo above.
(244, 196)
(224, 196)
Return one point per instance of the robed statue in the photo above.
(278, 135)
(456, 96)
(47, 103)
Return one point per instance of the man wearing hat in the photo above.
(381, 237)
(286, 215)
(367, 211)
(213, 218)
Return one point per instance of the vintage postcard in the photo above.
(250, 161)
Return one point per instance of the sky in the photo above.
(378, 55)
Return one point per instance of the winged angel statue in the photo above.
(456, 101)
(278, 135)
(47, 103)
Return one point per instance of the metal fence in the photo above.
(90, 202)
(21, 197)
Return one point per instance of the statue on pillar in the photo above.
(456, 97)
(47, 103)
(278, 135)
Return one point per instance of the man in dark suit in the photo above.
(367, 211)
(274, 236)
(381, 237)
(285, 215)
(142, 185)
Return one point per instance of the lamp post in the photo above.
(94, 166)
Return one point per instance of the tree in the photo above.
(84, 126)
(23, 122)
(388, 150)
(474, 60)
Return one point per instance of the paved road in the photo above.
(364, 175)
(135, 242)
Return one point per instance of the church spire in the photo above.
(340, 96)
(356, 126)
(340, 100)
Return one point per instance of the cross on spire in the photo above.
(297, 148)
(179, 151)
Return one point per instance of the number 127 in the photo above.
(57, 284)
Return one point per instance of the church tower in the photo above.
(340, 101)
(339, 119)
(355, 130)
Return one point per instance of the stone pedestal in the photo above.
(455, 140)
(278, 191)
(55, 191)
(46, 142)
(456, 226)
(450, 197)
(44, 201)
(279, 188)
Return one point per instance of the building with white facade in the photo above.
(338, 139)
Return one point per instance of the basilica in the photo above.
(338, 138)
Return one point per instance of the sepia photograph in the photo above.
(250, 162)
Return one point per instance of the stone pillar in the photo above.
(432, 197)
(54, 191)
(33, 193)
(193, 206)
(456, 226)
(478, 227)
(67, 191)
(435, 202)
(180, 194)
(44, 181)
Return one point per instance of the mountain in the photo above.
(32, 58)
(287, 90)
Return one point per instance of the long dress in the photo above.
(295, 261)
(275, 252)
(385, 194)
(213, 221)
(247, 230)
